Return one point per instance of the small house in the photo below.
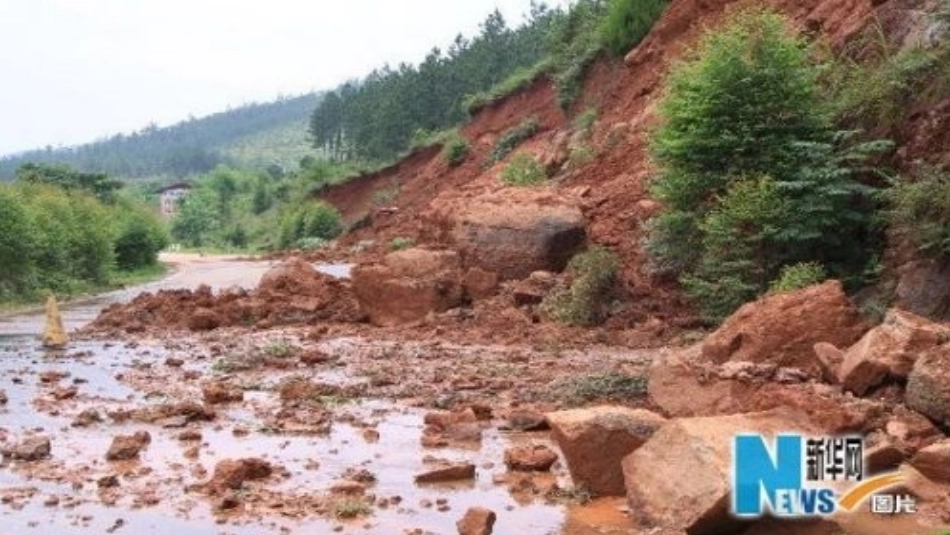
(170, 197)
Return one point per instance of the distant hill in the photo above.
(258, 135)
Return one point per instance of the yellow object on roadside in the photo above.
(54, 335)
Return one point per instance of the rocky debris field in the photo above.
(380, 429)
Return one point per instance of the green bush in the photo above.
(510, 140)
(627, 22)
(400, 243)
(310, 220)
(798, 276)
(920, 211)
(523, 170)
(585, 121)
(17, 244)
(585, 301)
(455, 150)
(140, 237)
(746, 104)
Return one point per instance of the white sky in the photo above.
(75, 70)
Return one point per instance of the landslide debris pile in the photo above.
(802, 361)
(291, 293)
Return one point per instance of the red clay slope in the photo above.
(612, 189)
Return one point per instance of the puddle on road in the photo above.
(164, 473)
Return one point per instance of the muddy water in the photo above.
(158, 493)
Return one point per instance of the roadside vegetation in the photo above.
(68, 232)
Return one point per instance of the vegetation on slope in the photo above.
(754, 175)
(377, 118)
(68, 232)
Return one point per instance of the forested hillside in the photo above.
(252, 135)
(391, 109)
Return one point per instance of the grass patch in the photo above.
(584, 301)
(524, 171)
(400, 243)
(920, 211)
(798, 276)
(385, 196)
(351, 508)
(510, 140)
(455, 149)
(613, 387)
(575, 495)
(518, 80)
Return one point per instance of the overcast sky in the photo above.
(77, 70)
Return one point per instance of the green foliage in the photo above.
(400, 243)
(140, 237)
(585, 301)
(310, 220)
(585, 121)
(17, 242)
(627, 22)
(798, 276)
(198, 218)
(613, 387)
(523, 170)
(517, 81)
(753, 176)
(737, 260)
(385, 196)
(455, 150)
(920, 211)
(510, 140)
(67, 178)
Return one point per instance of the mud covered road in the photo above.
(281, 430)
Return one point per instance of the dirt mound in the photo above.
(291, 293)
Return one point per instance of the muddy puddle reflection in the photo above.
(157, 493)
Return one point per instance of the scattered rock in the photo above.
(232, 473)
(477, 521)
(204, 319)
(3, 397)
(218, 392)
(108, 482)
(447, 472)
(595, 441)
(783, 328)
(30, 449)
(889, 351)
(86, 418)
(830, 359)
(312, 357)
(348, 487)
(526, 420)
(408, 285)
(65, 393)
(480, 284)
(534, 458)
(174, 362)
(928, 386)
(127, 447)
(934, 461)
(682, 477)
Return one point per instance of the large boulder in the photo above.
(681, 478)
(408, 285)
(513, 233)
(889, 351)
(595, 441)
(924, 288)
(928, 386)
(783, 328)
